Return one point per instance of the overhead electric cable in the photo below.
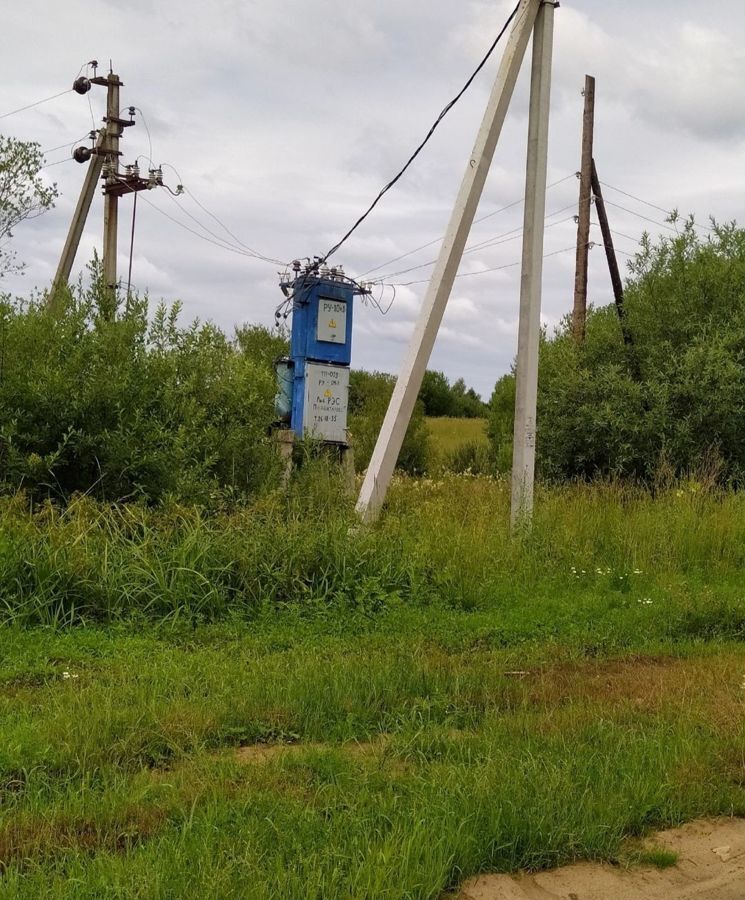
(640, 216)
(147, 130)
(223, 245)
(65, 145)
(238, 241)
(482, 245)
(483, 218)
(57, 163)
(618, 234)
(638, 199)
(652, 205)
(429, 134)
(37, 103)
(491, 269)
(217, 236)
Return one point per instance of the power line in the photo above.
(65, 145)
(217, 236)
(640, 216)
(222, 245)
(147, 130)
(37, 103)
(436, 240)
(57, 163)
(228, 231)
(667, 212)
(621, 234)
(618, 234)
(429, 134)
(491, 269)
(633, 197)
(237, 240)
(482, 245)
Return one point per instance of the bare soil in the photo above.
(711, 866)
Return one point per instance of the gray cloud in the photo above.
(286, 118)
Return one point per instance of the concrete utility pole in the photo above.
(80, 215)
(579, 312)
(526, 382)
(385, 454)
(111, 200)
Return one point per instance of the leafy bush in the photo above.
(369, 396)
(675, 396)
(472, 457)
(124, 408)
(501, 422)
(440, 398)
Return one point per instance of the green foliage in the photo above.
(23, 192)
(658, 857)
(124, 408)
(674, 399)
(501, 422)
(439, 398)
(472, 457)
(261, 345)
(594, 555)
(369, 396)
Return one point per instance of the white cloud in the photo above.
(286, 118)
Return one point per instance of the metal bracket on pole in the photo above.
(390, 439)
(526, 384)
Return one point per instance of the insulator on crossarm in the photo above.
(81, 85)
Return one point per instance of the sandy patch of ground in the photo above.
(711, 866)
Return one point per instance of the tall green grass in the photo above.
(449, 699)
(600, 558)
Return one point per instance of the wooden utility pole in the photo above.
(526, 382)
(579, 313)
(111, 171)
(615, 275)
(80, 215)
(610, 251)
(398, 415)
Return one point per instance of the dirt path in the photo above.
(711, 866)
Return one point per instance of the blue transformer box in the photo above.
(320, 355)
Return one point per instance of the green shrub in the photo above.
(675, 396)
(471, 457)
(369, 396)
(124, 408)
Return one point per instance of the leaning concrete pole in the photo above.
(385, 454)
(526, 384)
(72, 241)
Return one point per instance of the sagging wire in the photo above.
(427, 137)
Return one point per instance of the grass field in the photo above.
(448, 434)
(272, 703)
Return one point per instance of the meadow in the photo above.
(269, 701)
(449, 433)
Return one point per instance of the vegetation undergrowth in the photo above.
(450, 699)
(603, 564)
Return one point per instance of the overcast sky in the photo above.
(285, 118)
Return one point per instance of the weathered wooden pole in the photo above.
(579, 313)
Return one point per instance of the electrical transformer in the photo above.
(313, 383)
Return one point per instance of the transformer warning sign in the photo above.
(326, 400)
(332, 321)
